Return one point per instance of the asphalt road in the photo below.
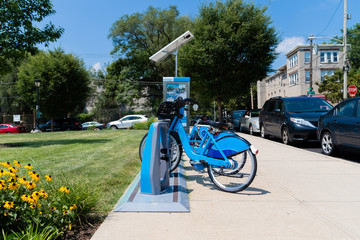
(316, 147)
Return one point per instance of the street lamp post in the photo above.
(37, 85)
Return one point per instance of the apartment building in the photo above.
(293, 78)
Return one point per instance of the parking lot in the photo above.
(297, 194)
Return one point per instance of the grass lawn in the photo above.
(107, 161)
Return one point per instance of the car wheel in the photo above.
(251, 130)
(113, 127)
(262, 131)
(285, 135)
(327, 144)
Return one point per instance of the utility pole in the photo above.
(251, 96)
(345, 50)
(311, 69)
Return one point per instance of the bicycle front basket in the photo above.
(166, 110)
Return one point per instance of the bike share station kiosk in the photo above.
(155, 189)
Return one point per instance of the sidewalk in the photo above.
(296, 194)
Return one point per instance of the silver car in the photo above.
(127, 121)
(250, 121)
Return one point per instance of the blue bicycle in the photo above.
(195, 137)
(230, 159)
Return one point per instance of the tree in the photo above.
(234, 46)
(64, 83)
(135, 38)
(353, 39)
(332, 85)
(19, 34)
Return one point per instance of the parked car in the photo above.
(94, 125)
(250, 121)
(235, 116)
(127, 121)
(340, 127)
(64, 124)
(292, 118)
(11, 128)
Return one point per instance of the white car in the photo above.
(250, 121)
(127, 121)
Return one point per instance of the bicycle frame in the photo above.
(209, 146)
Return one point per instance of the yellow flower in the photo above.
(6, 164)
(73, 207)
(25, 197)
(66, 212)
(28, 166)
(3, 173)
(17, 164)
(2, 186)
(31, 173)
(53, 208)
(13, 186)
(8, 204)
(12, 172)
(36, 195)
(35, 177)
(43, 194)
(5, 214)
(48, 178)
(22, 181)
(64, 189)
(32, 206)
(30, 185)
(70, 226)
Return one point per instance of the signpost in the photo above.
(352, 90)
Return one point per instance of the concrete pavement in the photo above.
(296, 194)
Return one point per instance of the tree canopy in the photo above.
(64, 83)
(235, 46)
(135, 38)
(18, 30)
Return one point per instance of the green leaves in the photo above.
(234, 47)
(64, 83)
(18, 31)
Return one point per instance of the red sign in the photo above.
(352, 90)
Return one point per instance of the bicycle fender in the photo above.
(229, 145)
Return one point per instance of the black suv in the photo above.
(63, 124)
(292, 118)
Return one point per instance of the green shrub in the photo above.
(28, 199)
(85, 117)
(144, 125)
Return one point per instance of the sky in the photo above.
(87, 23)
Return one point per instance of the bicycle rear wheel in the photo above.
(239, 176)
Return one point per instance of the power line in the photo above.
(327, 25)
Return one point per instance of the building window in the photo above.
(326, 73)
(328, 56)
(307, 76)
(307, 57)
(293, 79)
(293, 60)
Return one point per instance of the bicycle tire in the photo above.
(226, 181)
(176, 149)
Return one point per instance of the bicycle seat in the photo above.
(219, 125)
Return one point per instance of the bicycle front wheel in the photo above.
(239, 176)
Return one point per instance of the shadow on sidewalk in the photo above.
(202, 178)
